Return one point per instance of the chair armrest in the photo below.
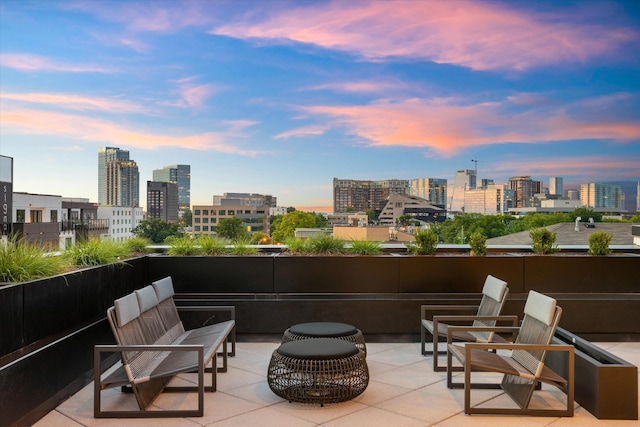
(514, 330)
(439, 308)
(506, 317)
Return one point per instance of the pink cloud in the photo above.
(449, 125)
(92, 129)
(301, 132)
(29, 62)
(75, 102)
(361, 86)
(474, 34)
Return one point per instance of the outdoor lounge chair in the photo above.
(524, 368)
(494, 294)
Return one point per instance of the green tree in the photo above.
(156, 230)
(635, 218)
(186, 219)
(405, 220)
(287, 227)
(585, 214)
(232, 228)
(371, 215)
(321, 220)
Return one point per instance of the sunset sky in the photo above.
(279, 97)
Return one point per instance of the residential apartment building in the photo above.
(162, 200)
(350, 195)
(36, 217)
(597, 195)
(181, 176)
(122, 220)
(432, 189)
(525, 189)
(118, 178)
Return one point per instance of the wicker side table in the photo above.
(343, 331)
(318, 370)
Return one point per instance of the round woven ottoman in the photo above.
(343, 331)
(318, 370)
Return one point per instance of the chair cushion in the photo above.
(323, 329)
(127, 309)
(318, 349)
(541, 307)
(164, 288)
(147, 298)
(494, 288)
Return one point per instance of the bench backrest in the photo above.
(167, 308)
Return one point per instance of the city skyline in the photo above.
(281, 97)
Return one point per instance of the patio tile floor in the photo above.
(403, 391)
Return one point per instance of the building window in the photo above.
(36, 216)
(205, 212)
(205, 228)
(205, 220)
(20, 215)
(196, 228)
(54, 216)
(232, 212)
(196, 220)
(222, 213)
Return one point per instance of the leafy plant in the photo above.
(426, 242)
(325, 244)
(544, 241)
(212, 246)
(365, 247)
(96, 251)
(137, 245)
(599, 243)
(296, 245)
(478, 243)
(21, 261)
(183, 246)
(241, 247)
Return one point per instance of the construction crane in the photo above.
(476, 161)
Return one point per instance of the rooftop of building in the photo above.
(567, 235)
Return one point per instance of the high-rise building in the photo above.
(181, 176)
(118, 178)
(638, 198)
(432, 189)
(350, 195)
(555, 186)
(465, 180)
(525, 189)
(162, 200)
(491, 200)
(601, 195)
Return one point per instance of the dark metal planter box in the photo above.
(605, 385)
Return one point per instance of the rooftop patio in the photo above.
(403, 391)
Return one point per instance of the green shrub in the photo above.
(137, 245)
(426, 242)
(296, 245)
(241, 247)
(478, 243)
(212, 246)
(21, 261)
(325, 244)
(96, 251)
(599, 243)
(365, 247)
(544, 241)
(183, 246)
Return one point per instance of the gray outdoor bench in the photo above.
(154, 347)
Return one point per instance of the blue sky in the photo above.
(279, 97)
